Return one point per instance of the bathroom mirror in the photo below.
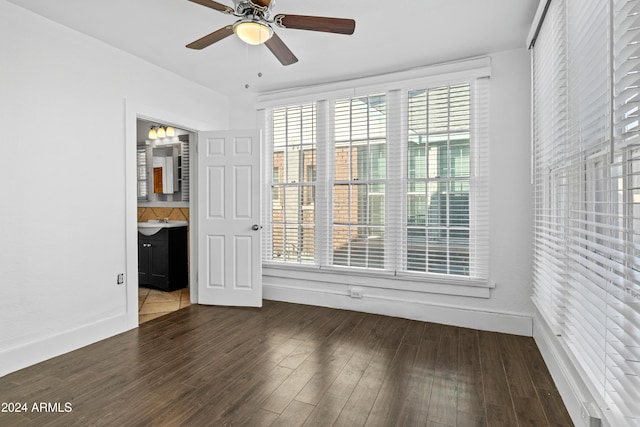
(163, 171)
(164, 166)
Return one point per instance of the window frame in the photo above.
(450, 74)
(142, 173)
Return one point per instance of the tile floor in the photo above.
(153, 303)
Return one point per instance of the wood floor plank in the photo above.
(415, 408)
(395, 329)
(501, 416)
(241, 406)
(281, 397)
(300, 354)
(432, 332)
(348, 378)
(332, 357)
(261, 418)
(315, 388)
(537, 367)
(288, 364)
(393, 392)
(515, 367)
(318, 337)
(237, 396)
(555, 411)
(444, 392)
(529, 412)
(326, 411)
(413, 334)
(469, 348)
(495, 385)
(470, 390)
(358, 406)
(294, 415)
(465, 419)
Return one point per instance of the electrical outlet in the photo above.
(355, 292)
(120, 279)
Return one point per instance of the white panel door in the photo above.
(229, 262)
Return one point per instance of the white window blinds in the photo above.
(183, 165)
(438, 180)
(586, 281)
(292, 222)
(623, 303)
(360, 175)
(550, 123)
(141, 171)
(394, 181)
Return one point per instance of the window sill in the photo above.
(433, 284)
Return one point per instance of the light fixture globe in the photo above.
(252, 32)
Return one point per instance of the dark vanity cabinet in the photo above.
(162, 259)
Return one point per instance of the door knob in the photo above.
(256, 227)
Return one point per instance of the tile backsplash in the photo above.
(176, 214)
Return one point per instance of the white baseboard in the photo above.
(580, 403)
(22, 356)
(400, 304)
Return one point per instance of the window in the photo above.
(585, 147)
(359, 181)
(438, 154)
(294, 156)
(395, 180)
(141, 160)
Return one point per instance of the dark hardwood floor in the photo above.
(290, 365)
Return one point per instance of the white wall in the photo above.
(511, 190)
(68, 107)
(509, 308)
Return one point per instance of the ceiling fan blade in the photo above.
(280, 50)
(316, 23)
(214, 5)
(210, 39)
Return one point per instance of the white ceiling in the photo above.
(389, 36)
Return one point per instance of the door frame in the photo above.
(133, 112)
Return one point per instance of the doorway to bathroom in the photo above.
(164, 218)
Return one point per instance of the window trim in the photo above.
(440, 74)
(383, 279)
(392, 85)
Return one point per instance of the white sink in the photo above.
(151, 227)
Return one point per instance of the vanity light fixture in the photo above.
(156, 132)
(153, 134)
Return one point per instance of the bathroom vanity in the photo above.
(162, 255)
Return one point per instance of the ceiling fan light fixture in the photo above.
(252, 32)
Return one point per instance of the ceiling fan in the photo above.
(255, 26)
